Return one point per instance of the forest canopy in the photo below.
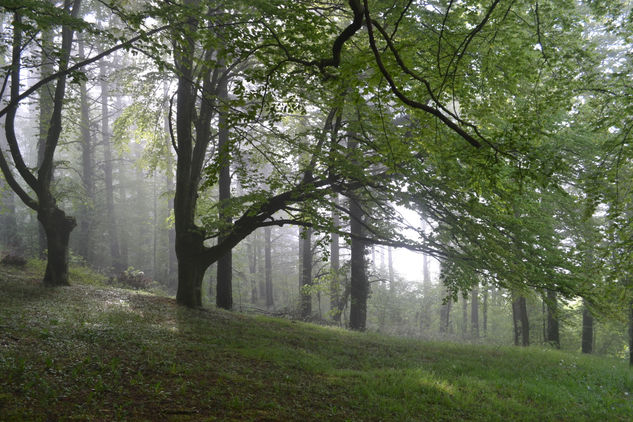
(154, 140)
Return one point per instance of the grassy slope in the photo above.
(97, 353)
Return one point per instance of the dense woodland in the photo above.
(278, 157)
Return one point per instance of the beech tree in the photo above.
(56, 224)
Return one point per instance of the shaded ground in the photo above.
(99, 353)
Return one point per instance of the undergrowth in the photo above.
(95, 352)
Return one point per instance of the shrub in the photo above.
(134, 278)
(13, 261)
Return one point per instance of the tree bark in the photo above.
(8, 223)
(261, 267)
(268, 268)
(521, 322)
(392, 278)
(464, 316)
(306, 273)
(425, 317)
(553, 336)
(587, 330)
(111, 221)
(224, 293)
(445, 316)
(172, 262)
(252, 266)
(359, 287)
(485, 312)
(474, 313)
(57, 227)
(46, 105)
(86, 213)
(191, 267)
(335, 283)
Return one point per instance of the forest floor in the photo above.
(93, 352)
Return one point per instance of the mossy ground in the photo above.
(93, 352)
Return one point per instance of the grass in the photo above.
(92, 352)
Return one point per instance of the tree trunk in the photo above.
(57, 227)
(335, 283)
(359, 288)
(521, 322)
(525, 323)
(46, 104)
(392, 278)
(54, 221)
(464, 316)
(111, 223)
(553, 336)
(445, 316)
(474, 313)
(86, 213)
(485, 312)
(268, 268)
(587, 330)
(172, 262)
(191, 267)
(261, 266)
(224, 295)
(544, 318)
(251, 250)
(425, 317)
(8, 223)
(306, 273)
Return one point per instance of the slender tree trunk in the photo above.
(553, 336)
(224, 298)
(8, 223)
(464, 316)
(269, 267)
(587, 330)
(516, 323)
(123, 236)
(544, 317)
(252, 266)
(474, 313)
(251, 250)
(485, 312)
(521, 322)
(335, 284)
(172, 262)
(172, 271)
(359, 288)
(425, 317)
(86, 213)
(445, 316)
(261, 266)
(111, 223)
(306, 273)
(46, 103)
(392, 277)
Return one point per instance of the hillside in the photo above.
(90, 352)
